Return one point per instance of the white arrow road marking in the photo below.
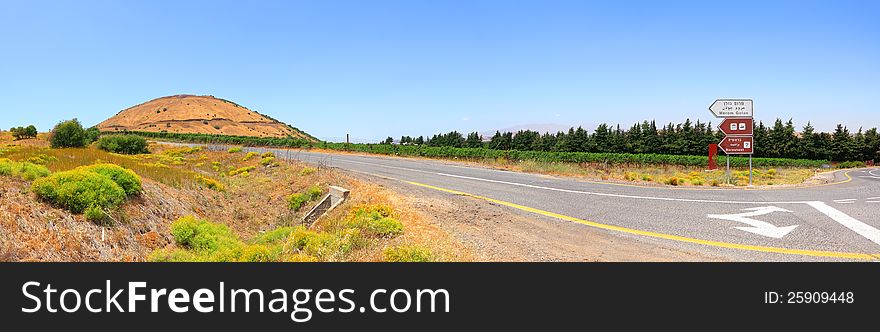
(757, 226)
(859, 227)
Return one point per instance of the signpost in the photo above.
(738, 126)
(737, 145)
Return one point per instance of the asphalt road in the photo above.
(832, 222)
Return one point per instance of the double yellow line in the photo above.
(719, 244)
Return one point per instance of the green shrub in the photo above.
(77, 190)
(68, 134)
(295, 201)
(267, 161)
(249, 156)
(123, 144)
(274, 235)
(210, 183)
(306, 171)
(201, 235)
(92, 134)
(25, 170)
(375, 220)
(851, 164)
(327, 246)
(234, 150)
(408, 254)
(244, 171)
(267, 155)
(385, 227)
(96, 215)
(125, 178)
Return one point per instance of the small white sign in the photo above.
(727, 108)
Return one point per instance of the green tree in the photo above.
(68, 134)
(474, 140)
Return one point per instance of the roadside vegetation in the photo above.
(84, 204)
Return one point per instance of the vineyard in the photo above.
(446, 152)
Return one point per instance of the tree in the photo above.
(388, 140)
(68, 134)
(474, 140)
(92, 134)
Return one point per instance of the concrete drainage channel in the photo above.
(336, 196)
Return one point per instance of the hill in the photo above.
(191, 114)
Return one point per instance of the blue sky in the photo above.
(377, 68)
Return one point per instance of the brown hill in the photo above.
(198, 115)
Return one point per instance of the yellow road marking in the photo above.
(802, 252)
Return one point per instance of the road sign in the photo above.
(737, 126)
(737, 145)
(732, 108)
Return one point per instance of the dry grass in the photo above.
(250, 205)
(661, 175)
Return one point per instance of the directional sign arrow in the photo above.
(731, 108)
(757, 226)
(737, 145)
(737, 126)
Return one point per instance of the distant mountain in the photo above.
(198, 115)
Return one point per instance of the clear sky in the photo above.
(378, 68)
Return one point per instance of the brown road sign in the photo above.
(737, 126)
(737, 145)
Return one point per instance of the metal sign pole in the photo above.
(728, 169)
(750, 170)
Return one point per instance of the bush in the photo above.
(249, 156)
(267, 155)
(274, 235)
(124, 144)
(295, 201)
(243, 171)
(306, 171)
(269, 161)
(68, 134)
(25, 170)
(375, 220)
(408, 254)
(77, 190)
(851, 164)
(95, 215)
(385, 227)
(323, 245)
(234, 150)
(125, 178)
(211, 183)
(92, 134)
(673, 181)
(201, 235)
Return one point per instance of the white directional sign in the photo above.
(757, 226)
(729, 108)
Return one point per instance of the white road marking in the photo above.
(844, 200)
(757, 226)
(872, 172)
(870, 177)
(872, 202)
(859, 227)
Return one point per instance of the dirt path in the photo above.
(498, 233)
